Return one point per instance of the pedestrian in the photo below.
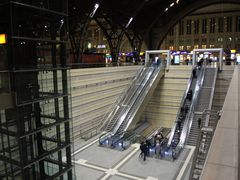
(179, 122)
(186, 109)
(199, 122)
(144, 150)
(194, 72)
(157, 149)
(189, 95)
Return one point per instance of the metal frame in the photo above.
(147, 56)
(35, 131)
(220, 50)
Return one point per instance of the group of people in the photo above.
(146, 145)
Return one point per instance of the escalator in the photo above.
(188, 130)
(125, 114)
(204, 102)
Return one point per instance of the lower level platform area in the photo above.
(93, 162)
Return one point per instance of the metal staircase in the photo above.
(202, 137)
(203, 102)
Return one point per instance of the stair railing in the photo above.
(174, 126)
(189, 118)
(112, 110)
(133, 101)
(142, 93)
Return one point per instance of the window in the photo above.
(189, 27)
(171, 48)
(181, 47)
(195, 46)
(204, 40)
(211, 46)
(171, 41)
(181, 28)
(212, 25)
(220, 25)
(204, 46)
(229, 24)
(196, 26)
(189, 47)
(220, 39)
(204, 25)
(238, 24)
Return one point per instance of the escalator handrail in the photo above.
(190, 115)
(128, 98)
(115, 106)
(174, 126)
(103, 135)
(122, 118)
(128, 104)
(139, 99)
(110, 112)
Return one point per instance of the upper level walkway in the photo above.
(223, 159)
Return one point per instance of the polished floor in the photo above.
(93, 162)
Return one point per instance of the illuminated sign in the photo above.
(3, 38)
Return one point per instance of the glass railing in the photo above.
(138, 93)
(113, 109)
(178, 113)
(139, 97)
(188, 121)
(124, 106)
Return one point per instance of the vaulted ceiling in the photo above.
(146, 14)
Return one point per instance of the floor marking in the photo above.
(112, 171)
(127, 157)
(81, 161)
(84, 147)
(180, 174)
(129, 176)
(91, 166)
(136, 146)
(151, 178)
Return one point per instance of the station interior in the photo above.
(119, 90)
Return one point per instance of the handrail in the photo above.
(173, 129)
(208, 112)
(110, 111)
(103, 135)
(188, 122)
(139, 99)
(192, 108)
(136, 94)
(211, 97)
(127, 105)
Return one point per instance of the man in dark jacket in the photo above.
(144, 149)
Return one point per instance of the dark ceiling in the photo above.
(146, 14)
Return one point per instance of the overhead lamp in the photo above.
(171, 5)
(96, 6)
(61, 24)
(129, 22)
(177, 1)
(166, 9)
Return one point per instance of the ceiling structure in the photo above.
(148, 19)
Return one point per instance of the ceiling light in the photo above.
(129, 22)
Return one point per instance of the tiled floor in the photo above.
(93, 162)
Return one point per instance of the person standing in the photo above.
(194, 72)
(144, 150)
(199, 122)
